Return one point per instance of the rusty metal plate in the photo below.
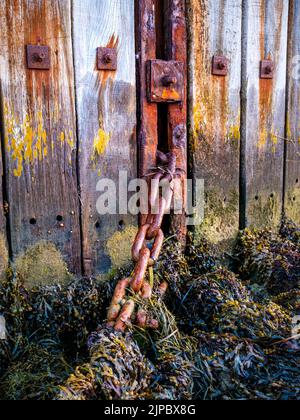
(107, 59)
(165, 81)
(220, 66)
(38, 57)
(267, 68)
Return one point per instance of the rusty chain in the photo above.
(122, 310)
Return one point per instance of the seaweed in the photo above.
(253, 321)
(69, 313)
(221, 334)
(117, 370)
(290, 231)
(241, 369)
(269, 260)
(289, 301)
(207, 294)
(36, 373)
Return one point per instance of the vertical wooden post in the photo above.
(40, 144)
(214, 114)
(292, 163)
(265, 31)
(177, 113)
(146, 50)
(106, 110)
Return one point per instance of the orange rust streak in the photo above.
(104, 76)
(265, 102)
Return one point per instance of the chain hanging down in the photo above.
(122, 310)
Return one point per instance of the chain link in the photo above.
(122, 310)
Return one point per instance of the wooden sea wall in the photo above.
(65, 129)
(245, 130)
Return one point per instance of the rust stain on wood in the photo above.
(39, 129)
(215, 137)
(104, 76)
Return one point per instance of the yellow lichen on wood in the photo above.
(26, 141)
(119, 246)
(234, 132)
(101, 141)
(4, 259)
(263, 138)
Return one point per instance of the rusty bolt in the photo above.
(268, 70)
(107, 58)
(221, 66)
(168, 81)
(179, 133)
(38, 57)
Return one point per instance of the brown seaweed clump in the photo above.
(233, 363)
(267, 259)
(4, 356)
(117, 370)
(290, 231)
(206, 295)
(170, 351)
(241, 369)
(68, 313)
(254, 321)
(289, 301)
(36, 373)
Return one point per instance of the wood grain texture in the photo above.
(265, 25)
(177, 113)
(215, 29)
(292, 187)
(106, 106)
(39, 127)
(2, 204)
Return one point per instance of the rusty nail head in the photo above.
(169, 81)
(38, 57)
(107, 59)
(165, 81)
(267, 68)
(219, 66)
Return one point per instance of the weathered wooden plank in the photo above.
(106, 106)
(177, 113)
(39, 126)
(264, 37)
(215, 29)
(292, 186)
(4, 248)
(146, 48)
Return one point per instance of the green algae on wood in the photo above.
(42, 265)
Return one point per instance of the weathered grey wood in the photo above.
(264, 37)
(39, 127)
(2, 204)
(4, 249)
(292, 190)
(106, 105)
(215, 29)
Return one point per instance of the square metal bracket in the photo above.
(165, 81)
(38, 57)
(267, 68)
(107, 59)
(220, 65)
